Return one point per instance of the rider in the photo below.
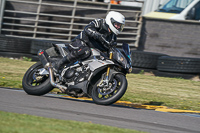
(93, 36)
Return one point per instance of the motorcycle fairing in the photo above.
(83, 86)
(98, 63)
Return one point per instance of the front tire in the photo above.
(34, 84)
(110, 96)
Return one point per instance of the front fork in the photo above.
(108, 69)
(105, 82)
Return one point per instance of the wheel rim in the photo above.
(108, 92)
(34, 79)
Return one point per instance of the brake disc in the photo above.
(107, 90)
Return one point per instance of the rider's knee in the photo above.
(84, 52)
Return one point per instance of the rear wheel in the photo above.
(35, 84)
(108, 95)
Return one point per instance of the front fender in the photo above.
(113, 73)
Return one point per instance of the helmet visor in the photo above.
(117, 25)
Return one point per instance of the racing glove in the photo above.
(101, 38)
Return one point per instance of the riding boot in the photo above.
(57, 65)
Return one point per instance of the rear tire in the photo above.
(34, 87)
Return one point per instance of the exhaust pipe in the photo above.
(60, 87)
(43, 57)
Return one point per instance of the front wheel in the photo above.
(112, 93)
(35, 84)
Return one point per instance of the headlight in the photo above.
(121, 59)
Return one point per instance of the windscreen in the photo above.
(127, 51)
(174, 6)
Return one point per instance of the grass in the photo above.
(142, 89)
(22, 123)
(12, 72)
(171, 92)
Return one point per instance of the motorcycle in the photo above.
(101, 77)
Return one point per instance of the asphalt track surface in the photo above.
(87, 111)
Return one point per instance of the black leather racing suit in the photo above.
(90, 37)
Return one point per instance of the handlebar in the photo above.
(109, 44)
